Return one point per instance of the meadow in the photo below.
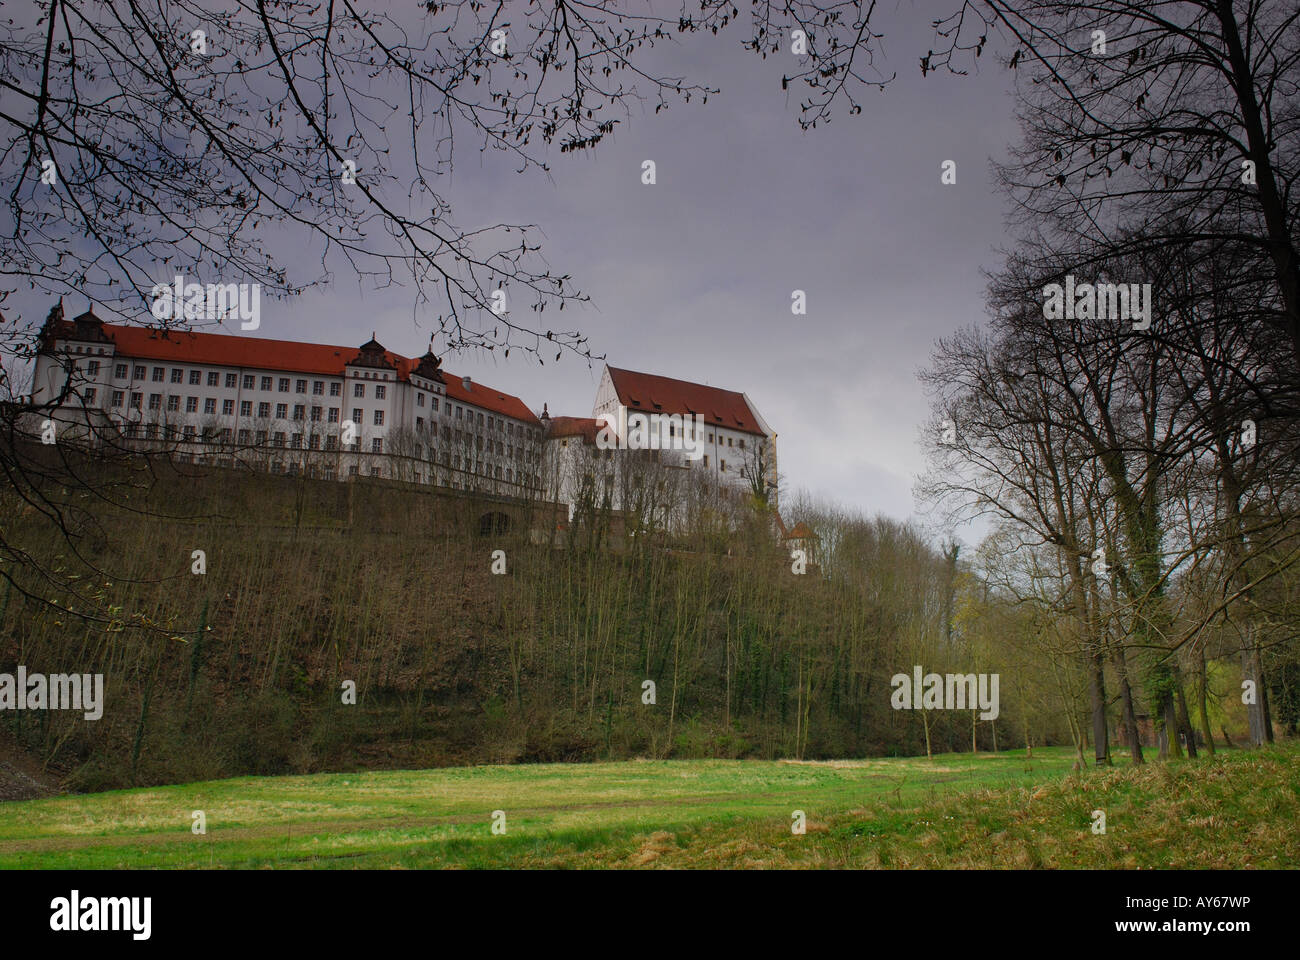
(1004, 810)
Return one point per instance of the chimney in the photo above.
(464, 382)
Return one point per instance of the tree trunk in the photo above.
(1202, 693)
(1184, 722)
(1097, 697)
(1126, 698)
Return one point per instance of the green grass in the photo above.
(958, 810)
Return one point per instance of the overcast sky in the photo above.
(692, 277)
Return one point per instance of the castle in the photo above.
(334, 412)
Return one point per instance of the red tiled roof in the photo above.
(225, 350)
(649, 393)
(489, 398)
(584, 427)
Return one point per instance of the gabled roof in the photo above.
(650, 393)
(290, 356)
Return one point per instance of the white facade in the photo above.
(206, 397)
(726, 452)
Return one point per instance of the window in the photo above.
(173, 402)
(433, 404)
(706, 459)
(214, 378)
(315, 441)
(266, 383)
(358, 389)
(196, 378)
(331, 443)
(231, 380)
(419, 399)
(151, 430)
(249, 381)
(90, 396)
(317, 387)
(135, 400)
(263, 410)
(729, 443)
(260, 438)
(377, 445)
(209, 404)
(379, 418)
(380, 392)
(178, 376)
(315, 414)
(284, 384)
(460, 412)
(244, 438)
(120, 371)
(742, 443)
(722, 465)
(227, 407)
(492, 423)
(158, 374)
(189, 431)
(352, 470)
(295, 441)
(480, 419)
(226, 434)
(356, 415)
(336, 389)
(277, 439)
(299, 411)
(334, 415)
(300, 386)
(281, 411)
(245, 408)
(419, 423)
(191, 404)
(139, 373)
(119, 397)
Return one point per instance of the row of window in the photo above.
(499, 424)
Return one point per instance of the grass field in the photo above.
(1241, 809)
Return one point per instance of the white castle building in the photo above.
(335, 412)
